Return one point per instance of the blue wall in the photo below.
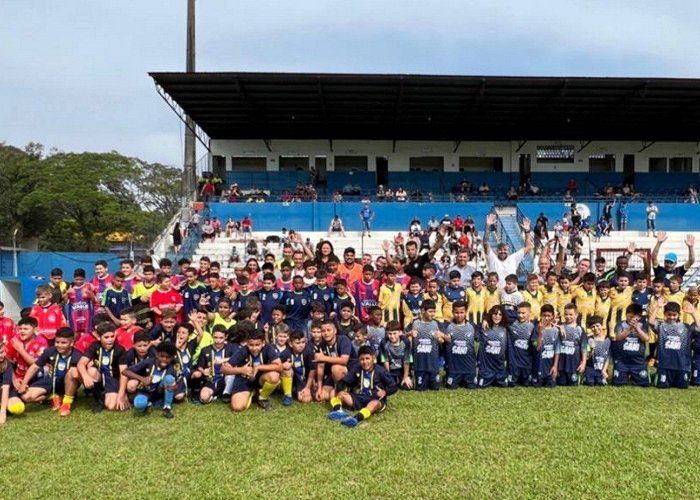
(41, 263)
(396, 216)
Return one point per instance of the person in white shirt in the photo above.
(500, 261)
(652, 211)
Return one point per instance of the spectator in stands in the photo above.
(608, 216)
(567, 197)
(571, 186)
(286, 197)
(500, 261)
(512, 193)
(366, 216)
(217, 225)
(401, 194)
(669, 267)
(251, 249)
(399, 242)
(652, 212)
(208, 190)
(338, 197)
(692, 194)
(231, 228)
(433, 224)
(208, 231)
(247, 224)
(484, 189)
(195, 220)
(458, 223)
(414, 229)
(533, 189)
(381, 193)
(389, 194)
(622, 215)
(178, 235)
(543, 222)
(336, 226)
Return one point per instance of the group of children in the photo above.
(146, 340)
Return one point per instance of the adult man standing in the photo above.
(669, 268)
(500, 261)
(463, 267)
(414, 266)
(366, 216)
(350, 270)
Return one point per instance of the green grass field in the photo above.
(495, 443)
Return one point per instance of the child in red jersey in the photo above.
(127, 328)
(25, 348)
(49, 316)
(89, 338)
(165, 298)
(7, 326)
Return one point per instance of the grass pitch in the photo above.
(495, 443)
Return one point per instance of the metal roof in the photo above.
(424, 107)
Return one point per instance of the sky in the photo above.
(74, 73)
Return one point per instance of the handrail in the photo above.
(192, 239)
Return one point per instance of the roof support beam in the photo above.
(457, 143)
(268, 144)
(393, 146)
(180, 113)
(646, 145)
(520, 145)
(330, 144)
(583, 145)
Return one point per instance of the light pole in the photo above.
(14, 252)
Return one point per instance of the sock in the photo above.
(267, 389)
(16, 408)
(250, 400)
(363, 414)
(336, 404)
(53, 396)
(168, 395)
(67, 400)
(287, 385)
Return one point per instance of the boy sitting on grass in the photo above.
(156, 380)
(364, 389)
(673, 351)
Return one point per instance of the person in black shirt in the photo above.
(414, 266)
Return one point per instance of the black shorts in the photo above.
(427, 380)
(217, 387)
(567, 378)
(108, 384)
(519, 376)
(242, 384)
(360, 401)
(48, 384)
(488, 378)
(546, 381)
(638, 374)
(672, 378)
(456, 380)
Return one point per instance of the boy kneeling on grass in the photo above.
(156, 379)
(363, 389)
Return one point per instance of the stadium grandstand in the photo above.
(291, 151)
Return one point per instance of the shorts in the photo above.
(519, 376)
(594, 377)
(217, 387)
(695, 371)
(182, 385)
(547, 381)
(427, 380)
(360, 401)
(672, 378)
(488, 378)
(639, 375)
(328, 380)
(567, 378)
(108, 384)
(456, 380)
(47, 383)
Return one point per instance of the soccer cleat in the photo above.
(350, 422)
(168, 413)
(337, 415)
(226, 398)
(98, 407)
(55, 403)
(287, 401)
(265, 404)
(64, 411)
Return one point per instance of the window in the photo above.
(350, 163)
(426, 164)
(249, 164)
(480, 164)
(658, 165)
(684, 164)
(601, 162)
(294, 163)
(555, 154)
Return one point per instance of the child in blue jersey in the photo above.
(298, 305)
(453, 292)
(364, 389)
(278, 317)
(332, 361)
(61, 381)
(597, 354)
(317, 313)
(116, 298)
(211, 361)
(493, 340)
(395, 353)
(628, 349)
(186, 342)
(414, 297)
(673, 351)
(100, 369)
(361, 338)
(269, 297)
(192, 290)
(546, 344)
(572, 337)
(426, 337)
(520, 335)
(140, 351)
(257, 367)
(321, 292)
(345, 322)
(156, 380)
(297, 369)
(341, 297)
(243, 295)
(460, 354)
(511, 297)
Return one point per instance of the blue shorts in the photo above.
(594, 377)
(456, 380)
(242, 384)
(427, 380)
(360, 401)
(47, 383)
(519, 376)
(488, 378)
(182, 385)
(638, 374)
(567, 378)
(546, 381)
(672, 378)
(217, 387)
(108, 384)
(695, 371)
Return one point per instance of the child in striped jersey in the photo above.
(628, 349)
(572, 336)
(674, 354)
(460, 351)
(597, 353)
(511, 297)
(546, 343)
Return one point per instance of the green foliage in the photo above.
(74, 201)
(569, 442)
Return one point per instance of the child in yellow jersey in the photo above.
(533, 296)
(550, 290)
(603, 302)
(390, 299)
(476, 299)
(493, 292)
(674, 293)
(222, 316)
(620, 297)
(433, 293)
(659, 292)
(584, 296)
(692, 297)
(564, 296)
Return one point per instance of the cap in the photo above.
(671, 257)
